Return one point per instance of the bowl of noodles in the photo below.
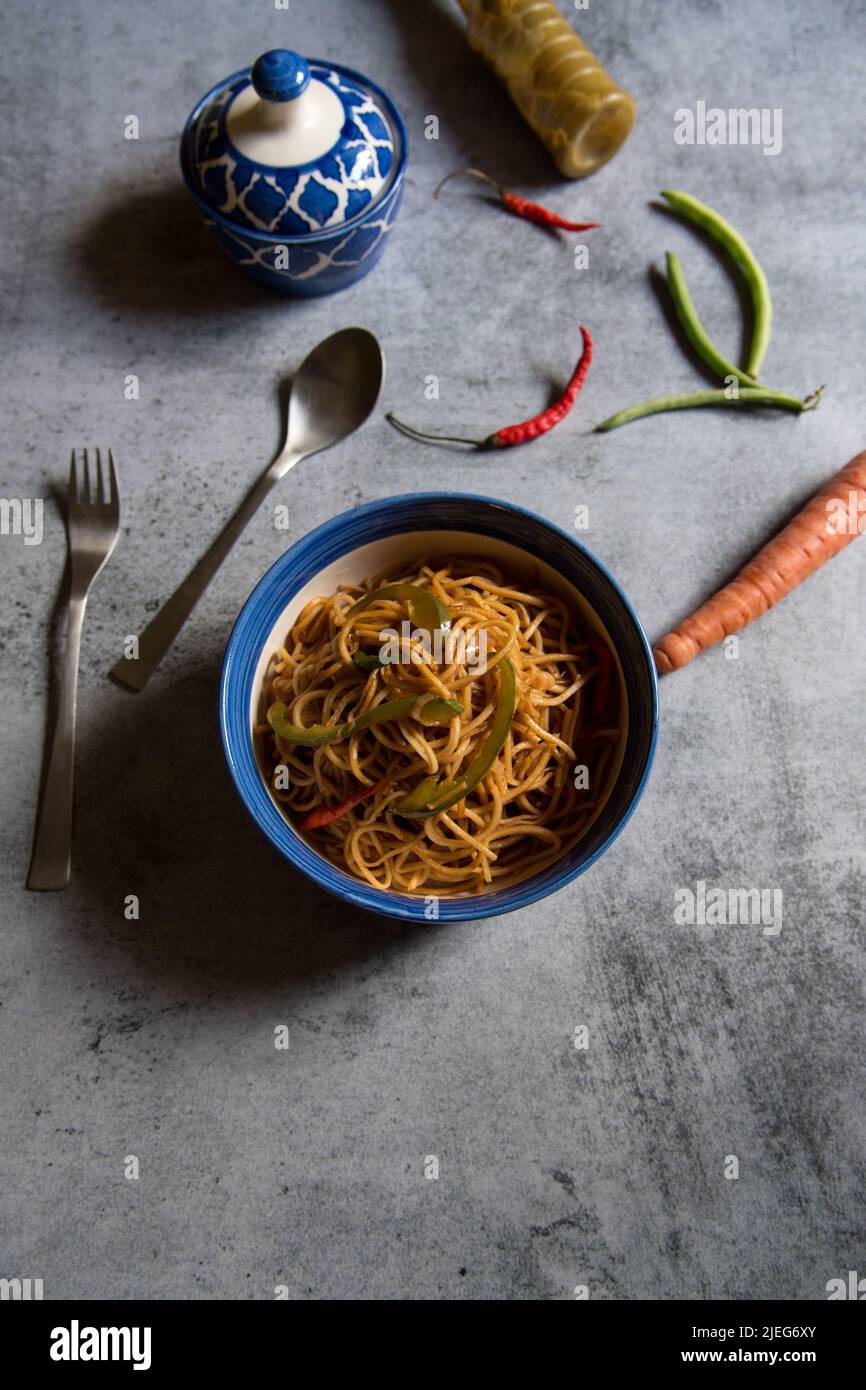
(439, 707)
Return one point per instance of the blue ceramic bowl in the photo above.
(368, 540)
(290, 257)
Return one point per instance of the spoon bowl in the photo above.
(334, 391)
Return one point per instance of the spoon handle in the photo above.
(157, 637)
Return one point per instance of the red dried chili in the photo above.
(324, 815)
(510, 435)
(522, 207)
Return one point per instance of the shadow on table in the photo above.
(150, 253)
(461, 90)
(221, 912)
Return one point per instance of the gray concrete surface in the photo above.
(559, 1167)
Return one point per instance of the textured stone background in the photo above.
(558, 1166)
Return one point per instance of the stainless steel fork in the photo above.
(93, 523)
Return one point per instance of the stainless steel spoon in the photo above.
(333, 392)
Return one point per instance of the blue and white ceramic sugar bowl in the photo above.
(298, 169)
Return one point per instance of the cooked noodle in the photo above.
(525, 812)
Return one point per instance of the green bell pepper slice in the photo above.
(425, 609)
(430, 712)
(431, 796)
(368, 661)
(313, 736)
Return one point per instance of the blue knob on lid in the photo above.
(280, 75)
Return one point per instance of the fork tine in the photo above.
(85, 497)
(73, 480)
(101, 498)
(115, 491)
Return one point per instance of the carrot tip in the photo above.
(664, 665)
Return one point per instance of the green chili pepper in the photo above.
(694, 329)
(431, 796)
(426, 711)
(425, 609)
(722, 232)
(753, 395)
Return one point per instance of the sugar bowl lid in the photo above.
(292, 147)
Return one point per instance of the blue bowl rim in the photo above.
(275, 826)
(307, 238)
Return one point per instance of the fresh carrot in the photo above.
(324, 815)
(832, 518)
